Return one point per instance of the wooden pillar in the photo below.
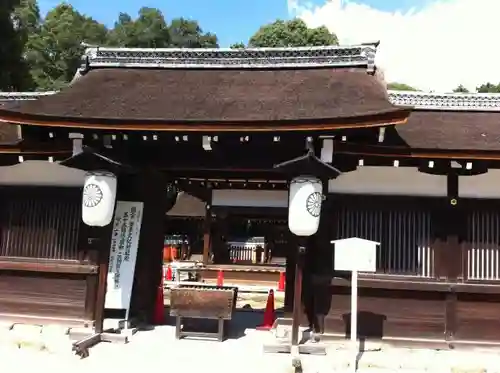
(452, 262)
(291, 261)
(207, 228)
(149, 187)
(450, 328)
(450, 225)
(99, 241)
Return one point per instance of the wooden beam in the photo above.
(452, 187)
(450, 315)
(421, 284)
(419, 154)
(103, 242)
(81, 347)
(90, 296)
(14, 264)
(207, 225)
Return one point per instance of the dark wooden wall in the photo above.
(437, 275)
(47, 269)
(50, 261)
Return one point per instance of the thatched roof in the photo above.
(453, 121)
(187, 206)
(252, 89)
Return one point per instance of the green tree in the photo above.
(293, 33)
(400, 87)
(149, 30)
(237, 46)
(14, 70)
(27, 17)
(56, 50)
(461, 89)
(188, 34)
(488, 88)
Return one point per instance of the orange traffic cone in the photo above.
(168, 276)
(281, 283)
(220, 278)
(159, 310)
(268, 313)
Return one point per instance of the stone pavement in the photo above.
(242, 352)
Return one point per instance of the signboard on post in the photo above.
(356, 255)
(123, 254)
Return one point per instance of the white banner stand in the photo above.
(122, 256)
(355, 255)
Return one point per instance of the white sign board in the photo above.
(123, 254)
(355, 254)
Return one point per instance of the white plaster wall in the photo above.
(480, 186)
(365, 180)
(41, 173)
(250, 198)
(402, 181)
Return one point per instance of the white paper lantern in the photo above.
(304, 205)
(98, 202)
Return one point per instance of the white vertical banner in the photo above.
(123, 254)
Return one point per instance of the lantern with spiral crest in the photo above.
(98, 200)
(304, 205)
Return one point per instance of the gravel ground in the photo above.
(242, 352)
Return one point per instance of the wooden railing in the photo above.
(482, 253)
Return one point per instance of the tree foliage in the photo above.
(400, 87)
(293, 33)
(149, 30)
(56, 50)
(15, 21)
(461, 89)
(488, 88)
(188, 34)
(43, 54)
(237, 46)
(483, 88)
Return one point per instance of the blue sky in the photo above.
(232, 20)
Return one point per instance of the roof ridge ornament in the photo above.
(289, 57)
(446, 101)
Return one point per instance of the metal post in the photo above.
(177, 275)
(354, 318)
(297, 295)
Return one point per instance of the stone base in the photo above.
(309, 344)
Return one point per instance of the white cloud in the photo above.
(436, 47)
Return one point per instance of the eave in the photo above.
(398, 116)
(399, 152)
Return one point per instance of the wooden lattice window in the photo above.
(404, 234)
(41, 223)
